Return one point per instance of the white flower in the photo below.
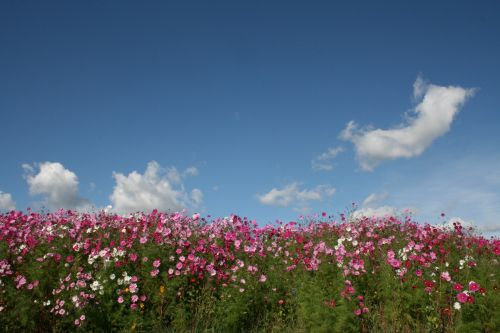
(457, 306)
(112, 276)
(94, 285)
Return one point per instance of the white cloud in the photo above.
(58, 185)
(6, 202)
(419, 87)
(155, 189)
(467, 224)
(176, 177)
(463, 223)
(381, 211)
(323, 162)
(292, 194)
(374, 199)
(197, 196)
(191, 171)
(491, 228)
(372, 207)
(433, 118)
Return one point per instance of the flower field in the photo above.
(168, 272)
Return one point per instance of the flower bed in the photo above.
(171, 272)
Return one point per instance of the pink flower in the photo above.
(133, 257)
(21, 281)
(262, 278)
(357, 312)
(446, 276)
(418, 272)
(120, 299)
(457, 286)
(252, 269)
(134, 298)
(143, 240)
(132, 287)
(179, 265)
(156, 263)
(473, 286)
(154, 272)
(462, 297)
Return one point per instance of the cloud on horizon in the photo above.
(432, 118)
(57, 185)
(292, 194)
(157, 188)
(6, 202)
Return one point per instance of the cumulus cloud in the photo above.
(373, 206)
(432, 118)
(323, 162)
(58, 185)
(197, 197)
(381, 211)
(6, 202)
(157, 188)
(292, 194)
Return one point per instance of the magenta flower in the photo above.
(462, 297)
(473, 286)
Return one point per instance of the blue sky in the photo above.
(232, 107)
